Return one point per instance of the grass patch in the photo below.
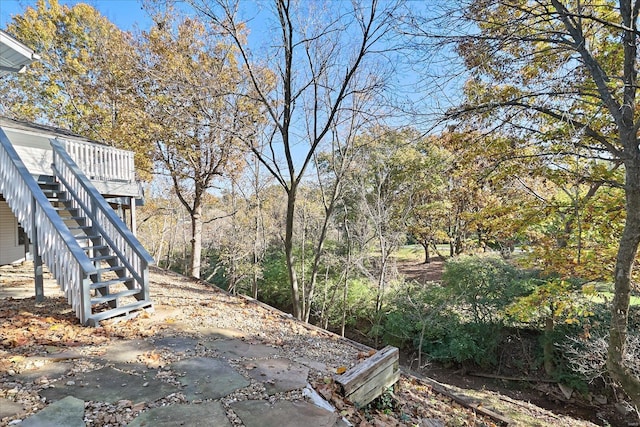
(605, 294)
(409, 253)
(416, 252)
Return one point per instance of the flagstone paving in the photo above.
(234, 349)
(127, 351)
(109, 385)
(279, 375)
(207, 378)
(200, 415)
(204, 372)
(67, 412)
(9, 408)
(260, 413)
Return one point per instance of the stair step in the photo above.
(74, 218)
(51, 191)
(80, 227)
(99, 285)
(57, 198)
(124, 311)
(64, 208)
(103, 257)
(90, 237)
(94, 247)
(110, 269)
(48, 184)
(113, 297)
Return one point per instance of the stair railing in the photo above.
(102, 217)
(59, 250)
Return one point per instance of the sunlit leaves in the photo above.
(557, 299)
(85, 79)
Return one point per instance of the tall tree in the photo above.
(321, 59)
(85, 81)
(188, 80)
(382, 190)
(564, 73)
(428, 164)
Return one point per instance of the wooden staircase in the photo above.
(96, 260)
(113, 290)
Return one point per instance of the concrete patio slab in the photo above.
(207, 378)
(67, 412)
(279, 375)
(201, 415)
(260, 413)
(235, 349)
(109, 385)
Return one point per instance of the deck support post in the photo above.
(37, 259)
(132, 213)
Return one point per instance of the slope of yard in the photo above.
(33, 332)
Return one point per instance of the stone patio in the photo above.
(202, 380)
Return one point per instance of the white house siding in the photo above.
(34, 150)
(10, 250)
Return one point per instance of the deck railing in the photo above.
(102, 217)
(101, 162)
(62, 254)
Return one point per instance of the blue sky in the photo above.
(129, 15)
(124, 13)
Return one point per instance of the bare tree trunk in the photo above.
(325, 294)
(256, 236)
(547, 347)
(196, 242)
(427, 255)
(288, 252)
(255, 260)
(158, 252)
(345, 292)
(304, 300)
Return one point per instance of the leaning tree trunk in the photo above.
(627, 252)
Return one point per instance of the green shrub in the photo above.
(360, 303)
(463, 343)
(460, 321)
(482, 286)
(274, 284)
(423, 316)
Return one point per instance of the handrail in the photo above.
(101, 162)
(98, 211)
(60, 251)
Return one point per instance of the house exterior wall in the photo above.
(10, 250)
(35, 152)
